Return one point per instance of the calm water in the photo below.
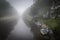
(21, 31)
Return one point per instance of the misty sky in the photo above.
(21, 5)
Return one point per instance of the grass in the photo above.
(52, 23)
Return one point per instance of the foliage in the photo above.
(52, 23)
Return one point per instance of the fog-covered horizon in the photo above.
(20, 5)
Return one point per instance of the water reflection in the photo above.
(21, 31)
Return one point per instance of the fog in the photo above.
(20, 5)
(21, 30)
(25, 19)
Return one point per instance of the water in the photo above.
(21, 31)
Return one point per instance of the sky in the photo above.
(20, 5)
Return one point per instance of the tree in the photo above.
(8, 18)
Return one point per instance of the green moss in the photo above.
(52, 23)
